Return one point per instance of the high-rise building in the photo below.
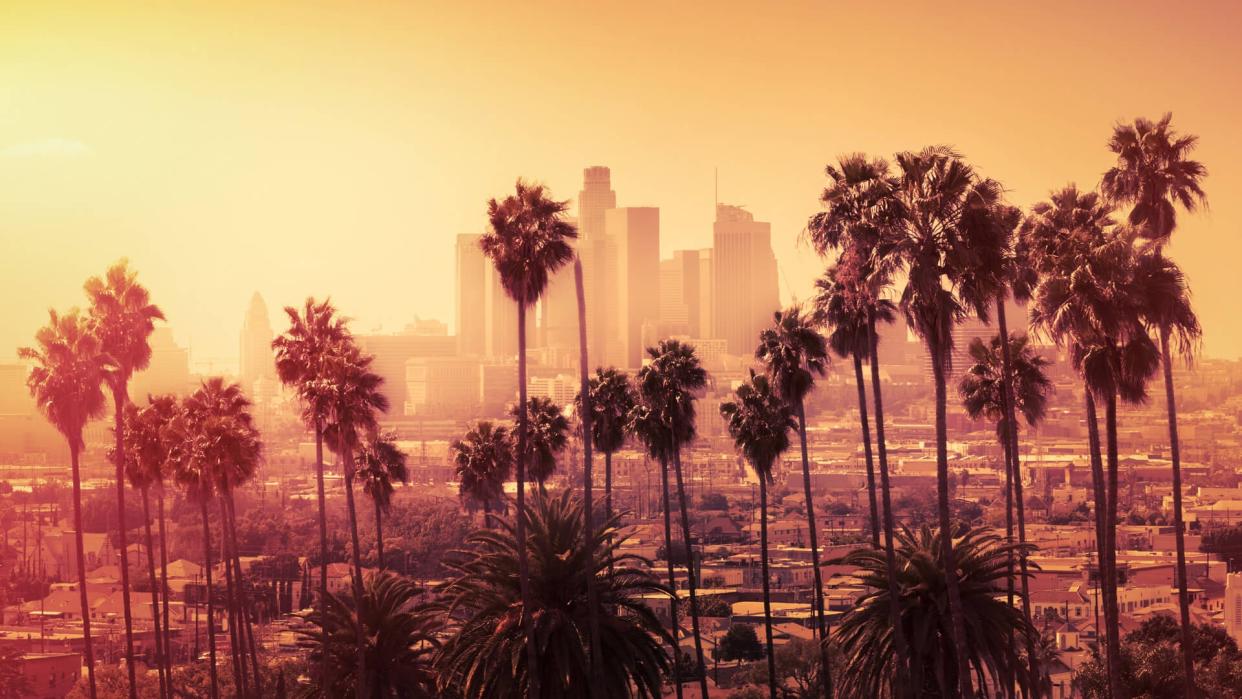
(472, 278)
(635, 231)
(745, 286)
(558, 310)
(595, 198)
(442, 387)
(168, 371)
(599, 256)
(706, 294)
(500, 319)
(391, 354)
(681, 294)
(258, 361)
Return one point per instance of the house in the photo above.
(50, 675)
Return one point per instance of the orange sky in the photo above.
(336, 148)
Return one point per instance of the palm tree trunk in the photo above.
(211, 617)
(767, 592)
(155, 594)
(1175, 453)
(588, 485)
(866, 436)
(821, 625)
(119, 399)
(360, 683)
(690, 575)
(87, 647)
(1015, 471)
(672, 578)
(528, 621)
(608, 497)
(240, 675)
(243, 596)
(890, 554)
(958, 627)
(168, 655)
(1101, 539)
(1110, 530)
(325, 667)
(1002, 429)
(379, 534)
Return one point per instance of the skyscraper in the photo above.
(558, 311)
(472, 278)
(168, 372)
(745, 286)
(500, 318)
(257, 359)
(635, 232)
(681, 294)
(598, 252)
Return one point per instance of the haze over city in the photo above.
(568, 350)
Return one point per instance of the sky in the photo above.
(336, 149)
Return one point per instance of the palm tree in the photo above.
(759, 420)
(486, 657)
(380, 464)
(794, 353)
(984, 394)
(866, 637)
(123, 317)
(858, 211)
(1155, 175)
(1166, 308)
(483, 459)
(547, 435)
(353, 404)
(301, 354)
(65, 382)
(611, 397)
(401, 638)
(161, 410)
(588, 464)
(529, 241)
(145, 457)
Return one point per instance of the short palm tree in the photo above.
(528, 241)
(866, 636)
(314, 334)
(483, 459)
(667, 387)
(65, 381)
(123, 317)
(794, 353)
(760, 420)
(401, 638)
(354, 402)
(487, 657)
(547, 435)
(1155, 175)
(381, 463)
(859, 211)
(612, 400)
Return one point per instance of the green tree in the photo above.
(487, 657)
(528, 241)
(741, 642)
(65, 382)
(123, 318)
(483, 459)
(381, 463)
(759, 422)
(547, 436)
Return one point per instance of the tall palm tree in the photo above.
(123, 317)
(483, 459)
(547, 436)
(795, 353)
(65, 382)
(401, 637)
(983, 389)
(354, 403)
(858, 211)
(667, 386)
(528, 241)
(144, 464)
(486, 657)
(759, 419)
(1155, 175)
(1166, 308)
(381, 463)
(588, 464)
(161, 410)
(612, 400)
(866, 636)
(301, 353)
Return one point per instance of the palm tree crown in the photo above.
(1154, 174)
(528, 240)
(759, 421)
(794, 353)
(980, 386)
(66, 377)
(483, 459)
(381, 464)
(124, 318)
(612, 399)
(547, 435)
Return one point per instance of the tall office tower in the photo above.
(391, 354)
(500, 319)
(472, 278)
(168, 372)
(681, 294)
(745, 286)
(558, 310)
(635, 230)
(706, 298)
(599, 256)
(972, 328)
(257, 359)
